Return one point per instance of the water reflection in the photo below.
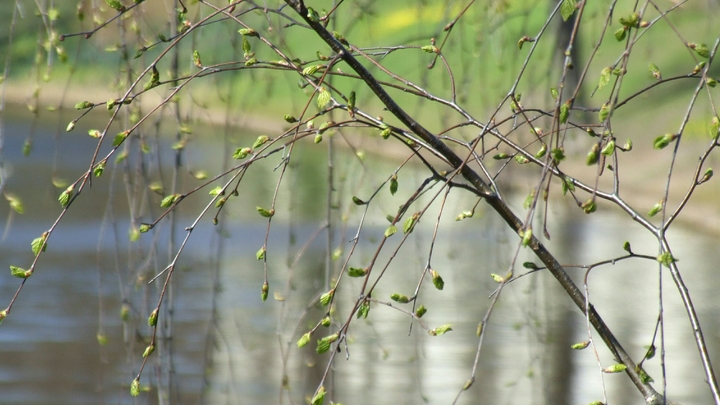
(49, 352)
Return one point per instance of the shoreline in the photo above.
(701, 212)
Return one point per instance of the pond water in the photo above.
(229, 347)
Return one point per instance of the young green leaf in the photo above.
(604, 78)
(393, 184)
(241, 153)
(324, 98)
(356, 272)
(260, 254)
(20, 272)
(409, 224)
(319, 397)
(655, 71)
(39, 244)
(15, 203)
(390, 231)
(567, 8)
(441, 330)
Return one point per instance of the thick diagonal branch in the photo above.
(484, 190)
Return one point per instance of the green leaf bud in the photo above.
(390, 231)
(248, 31)
(627, 247)
(327, 297)
(700, 49)
(116, 5)
(385, 133)
(420, 311)
(558, 155)
(592, 156)
(497, 278)
(527, 237)
(325, 322)
(261, 140)
(663, 141)
(615, 368)
(501, 156)
(608, 149)
(289, 118)
(393, 184)
(707, 176)
(358, 201)
(153, 318)
(264, 291)
(39, 244)
(437, 280)
(170, 200)
(541, 152)
(304, 339)
(580, 346)
(318, 138)
(655, 209)
(363, 310)
(604, 112)
(135, 387)
(83, 105)
(400, 298)
(260, 254)
(620, 33)
(267, 213)
(149, 350)
(589, 206)
(666, 259)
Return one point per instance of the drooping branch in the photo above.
(482, 189)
